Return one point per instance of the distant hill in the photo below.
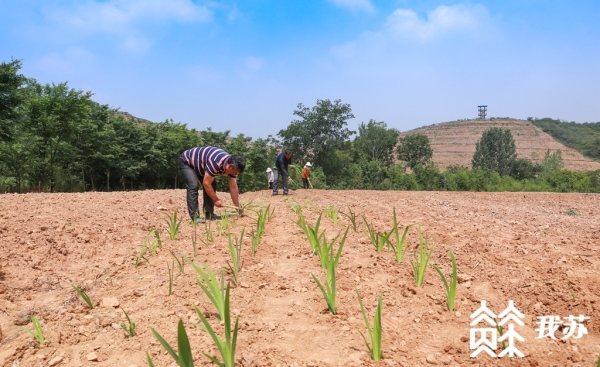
(453, 143)
(138, 120)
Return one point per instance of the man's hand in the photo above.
(241, 212)
(219, 203)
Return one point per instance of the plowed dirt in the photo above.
(539, 250)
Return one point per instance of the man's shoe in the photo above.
(274, 194)
(212, 216)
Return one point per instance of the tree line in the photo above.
(55, 138)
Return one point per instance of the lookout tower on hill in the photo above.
(482, 112)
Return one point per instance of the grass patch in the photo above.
(312, 233)
(262, 216)
(84, 296)
(226, 347)
(235, 251)
(172, 224)
(224, 224)
(184, 358)
(332, 212)
(214, 290)
(352, 218)
(37, 332)
(329, 289)
(171, 268)
(325, 250)
(378, 239)
(151, 244)
(375, 332)
(129, 328)
(449, 286)
(400, 248)
(180, 263)
(419, 264)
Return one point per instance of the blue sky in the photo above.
(244, 66)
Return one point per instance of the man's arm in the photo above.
(207, 184)
(234, 191)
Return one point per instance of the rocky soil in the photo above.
(539, 250)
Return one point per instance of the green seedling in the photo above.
(129, 328)
(211, 287)
(149, 360)
(184, 358)
(297, 208)
(248, 206)
(598, 363)
(325, 250)
(172, 224)
(352, 217)
(270, 212)
(500, 333)
(226, 347)
(223, 224)
(235, 251)
(208, 234)
(450, 287)
(400, 249)
(312, 233)
(141, 257)
(150, 245)
(171, 268)
(194, 245)
(419, 264)
(378, 239)
(37, 332)
(260, 229)
(329, 289)
(375, 333)
(571, 293)
(255, 242)
(180, 263)
(332, 212)
(571, 212)
(84, 296)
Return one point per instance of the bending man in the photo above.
(203, 164)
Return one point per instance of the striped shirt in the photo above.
(209, 160)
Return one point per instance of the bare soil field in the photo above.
(539, 250)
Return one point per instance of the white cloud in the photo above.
(116, 15)
(405, 23)
(63, 63)
(136, 44)
(355, 5)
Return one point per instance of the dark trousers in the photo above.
(192, 183)
(305, 182)
(284, 180)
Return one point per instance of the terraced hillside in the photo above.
(453, 143)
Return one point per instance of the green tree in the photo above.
(552, 162)
(376, 141)
(495, 150)
(214, 138)
(53, 114)
(10, 97)
(523, 168)
(259, 155)
(414, 149)
(320, 131)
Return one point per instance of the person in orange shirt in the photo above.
(305, 174)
